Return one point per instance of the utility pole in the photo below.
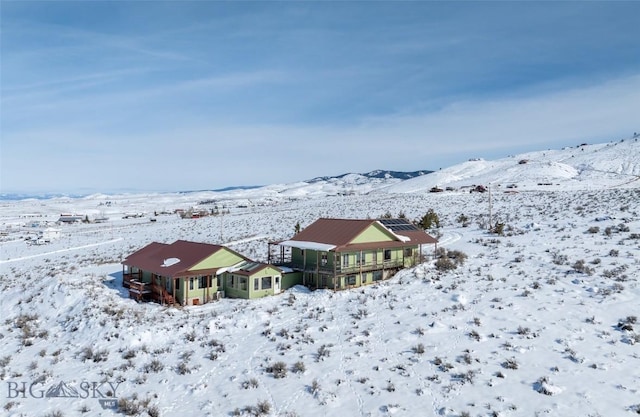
(221, 216)
(490, 209)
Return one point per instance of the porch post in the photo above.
(173, 289)
(335, 268)
(161, 290)
(335, 283)
(186, 285)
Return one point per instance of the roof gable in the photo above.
(221, 258)
(340, 233)
(173, 259)
(375, 232)
(250, 268)
(337, 232)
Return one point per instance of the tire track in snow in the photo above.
(449, 238)
(91, 245)
(344, 372)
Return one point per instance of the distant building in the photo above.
(70, 218)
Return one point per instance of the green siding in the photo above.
(269, 271)
(237, 291)
(234, 291)
(311, 259)
(146, 277)
(223, 257)
(291, 279)
(197, 291)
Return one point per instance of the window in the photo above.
(364, 278)
(232, 281)
(218, 281)
(266, 283)
(408, 251)
(387, 254)
(358, 256)
(375, 257)
(256, 284)
(191, 283)
(178, 284)
(242, 281)
(302, 252)
(323, 259)
(345, 259)
(351, 280)
(377, 275)
(204, 282)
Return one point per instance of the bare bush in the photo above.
(278, 370)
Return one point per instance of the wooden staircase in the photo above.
(161, 295)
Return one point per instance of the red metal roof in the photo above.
(341, 232)
(173, 259)
(336, 232)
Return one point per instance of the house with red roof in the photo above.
(347, 253)
(191, 273)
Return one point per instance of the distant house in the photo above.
(347, 253)
(70, 218)
(191, 273)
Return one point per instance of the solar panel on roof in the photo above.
(251, 266)
(393, 221)
(396, 225)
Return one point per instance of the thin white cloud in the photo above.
(219, 155)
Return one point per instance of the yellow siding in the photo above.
(223, 257)
(373, 233)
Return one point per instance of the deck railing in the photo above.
(350, 269)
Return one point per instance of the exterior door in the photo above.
(276, 285)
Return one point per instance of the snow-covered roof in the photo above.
(224, 269)
(308, 245)
(170, 261)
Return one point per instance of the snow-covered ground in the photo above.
(539, 321)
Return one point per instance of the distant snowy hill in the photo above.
(378, 173)
(583, 167)
(614, 164)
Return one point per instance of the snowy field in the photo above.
(541, 320)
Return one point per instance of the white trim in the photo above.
(231, 268)
(308, 245)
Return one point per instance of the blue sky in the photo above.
(167, 96)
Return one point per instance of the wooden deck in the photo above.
(139, 290)
(142, 291)
(127, 277)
